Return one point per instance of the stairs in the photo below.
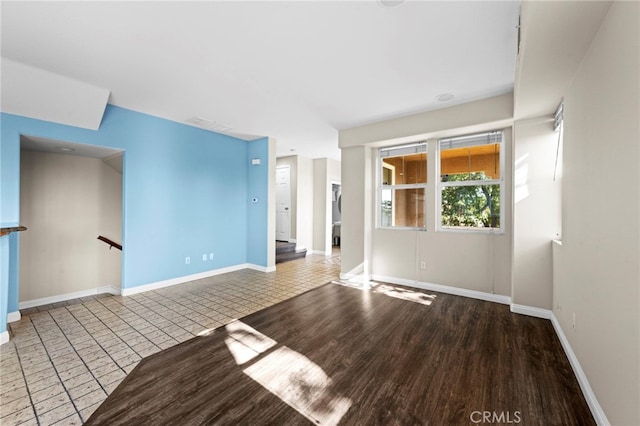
(287, 251)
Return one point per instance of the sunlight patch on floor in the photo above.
(245, 343)
(402, 293)
(358, 285)
(301, 384)
(289, 375)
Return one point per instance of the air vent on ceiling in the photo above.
(208, 124)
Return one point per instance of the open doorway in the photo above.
(70, 194)
(283, 203)
(336, 215)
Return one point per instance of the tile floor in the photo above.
(64, 359)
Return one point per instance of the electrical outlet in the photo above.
(210, 256)
(187, 260)
(423, 265)
(204, 257)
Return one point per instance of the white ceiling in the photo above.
(295, 71)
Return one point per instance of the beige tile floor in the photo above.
(64, 359)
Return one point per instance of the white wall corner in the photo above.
(355, 278)
(531, 311)
(271, 206)
(261, 268)
(109, 289)
(589, 395)
(14, 316)
(4, 337)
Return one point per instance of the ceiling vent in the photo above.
(208, 124)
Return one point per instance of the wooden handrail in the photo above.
(7, 231)
(111, 243)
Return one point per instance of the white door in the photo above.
(283, 201)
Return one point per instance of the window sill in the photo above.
(462, 230)
(398, 228)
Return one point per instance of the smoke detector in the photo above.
(444, 97)
(390, 3)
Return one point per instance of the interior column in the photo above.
(357, 214)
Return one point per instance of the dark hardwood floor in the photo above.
(342, 355)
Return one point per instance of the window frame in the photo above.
(394, 187)
(440, 185)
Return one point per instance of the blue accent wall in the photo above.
(185, 193)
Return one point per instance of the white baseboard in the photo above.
(67, 296)
(355, 278)
(4, 337)
(592, 402)
(181, 280)
(260, 268)
(109, 289)
(347, 277)
(13, 316)
(474, 294)
(531, 311)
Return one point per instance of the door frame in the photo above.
(288, 168)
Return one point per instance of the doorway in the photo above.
(336, 214)
(283, 203)
(69, 195)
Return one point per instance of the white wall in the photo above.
(536, 211)
(357, 213)
(597, 270)
(271, 207)
(478, 261)
(66, 202)
(464, 118)
(474, 261)
(305, 214)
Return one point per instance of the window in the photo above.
(402, 186)
(471, 184)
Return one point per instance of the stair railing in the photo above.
(111, 243)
